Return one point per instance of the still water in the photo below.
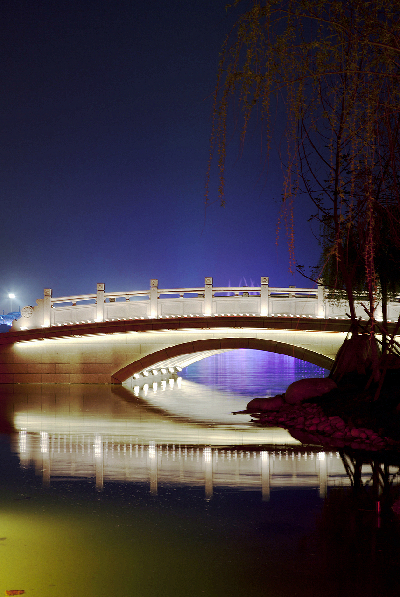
(160, 491)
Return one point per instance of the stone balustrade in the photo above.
(206, 301)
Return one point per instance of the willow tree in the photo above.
(334, 67)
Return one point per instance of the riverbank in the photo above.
(343, 417)
(309, 423)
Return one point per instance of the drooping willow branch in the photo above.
(334, 67)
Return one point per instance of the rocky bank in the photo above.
(317, 411)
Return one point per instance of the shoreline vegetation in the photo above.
(332, 70)
(356, 406)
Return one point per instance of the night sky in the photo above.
(106, 117)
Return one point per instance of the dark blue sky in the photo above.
(106, 117)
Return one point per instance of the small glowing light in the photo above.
(22, 441)
(44, 442)
(154, 371)
(207, 454)
(11, 295)
(136, 375)
(152, 450)
(98, 444)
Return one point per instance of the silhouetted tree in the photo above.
(334, 68)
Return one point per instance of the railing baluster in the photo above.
(264, 297)
(47, 308)
(208, 294)
(179, 302)
(100, 302)
(154, 298)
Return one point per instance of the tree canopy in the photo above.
(334, 66)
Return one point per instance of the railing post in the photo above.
(154, 299)
(321, 300)
(47, 308)
(100, 302)
(208, 295)
(264, 297)
(378, 312)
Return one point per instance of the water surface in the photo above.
(161, 491)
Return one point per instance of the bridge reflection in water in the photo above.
(105, 435)
(92, 457)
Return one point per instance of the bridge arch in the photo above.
(198, 349)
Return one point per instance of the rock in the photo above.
(265, 404)
(308, 388)
(338, 434)
(356, 355)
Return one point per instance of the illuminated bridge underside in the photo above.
(191, 352)
(113, 352)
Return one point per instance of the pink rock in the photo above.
(338, 434)
(340, 443)
(336, 419)
(265, 404)
(308, 388)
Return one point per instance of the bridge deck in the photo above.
(180, 323)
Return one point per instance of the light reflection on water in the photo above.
(163, 492)
(251, 373)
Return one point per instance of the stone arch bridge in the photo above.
(115, 338)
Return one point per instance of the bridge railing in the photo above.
(208, 300)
